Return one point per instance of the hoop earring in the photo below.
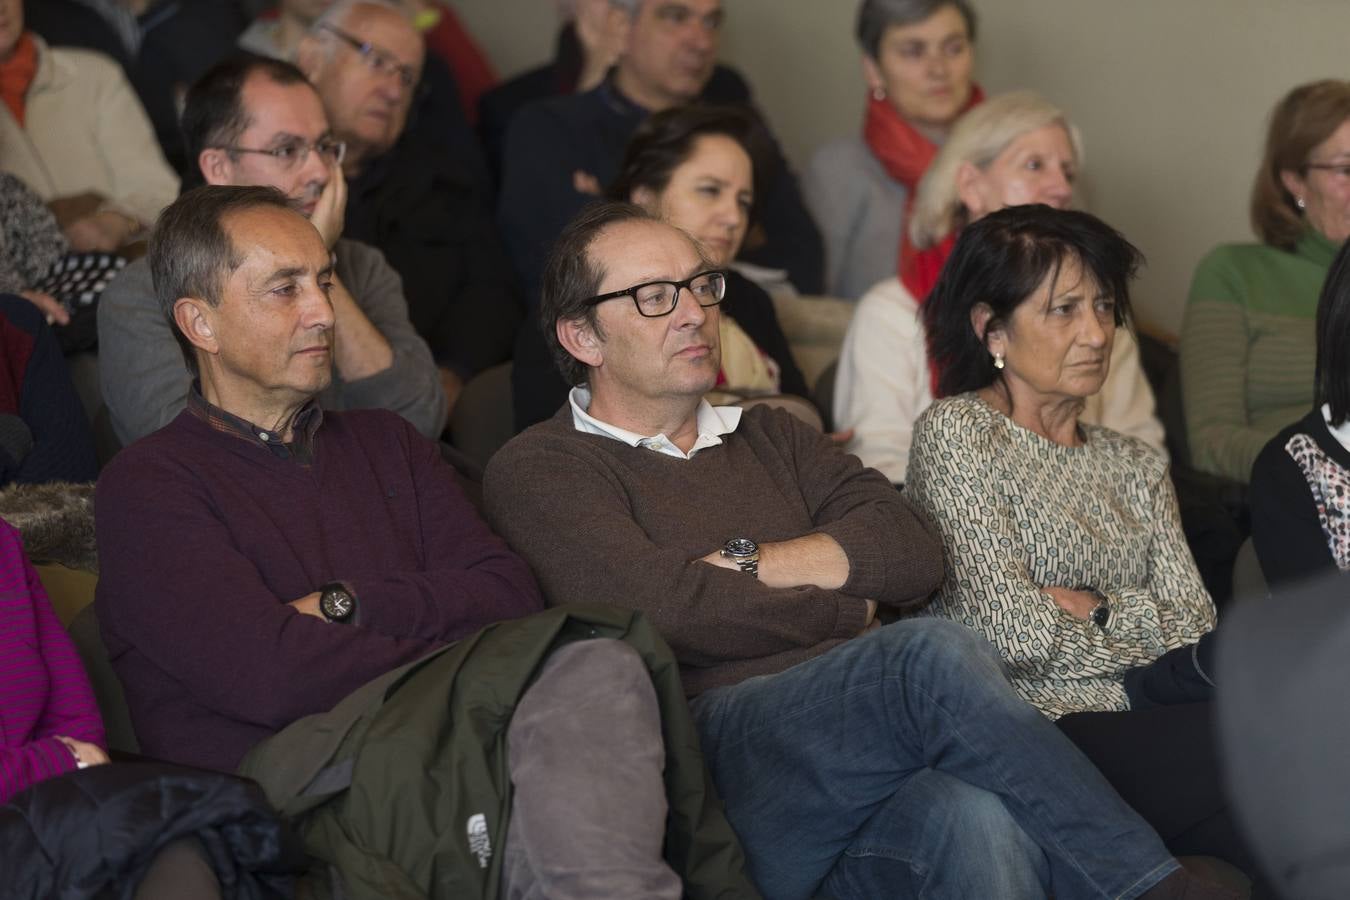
(998, 361)
(1298, 201)
(878, 93)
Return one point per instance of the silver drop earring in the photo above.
(878, 93)
(1298, 201)
(998, 361)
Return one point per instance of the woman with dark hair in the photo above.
(1300, 489)
(918, 61)
(698, 167)
(1062, 541)
(1247, 338)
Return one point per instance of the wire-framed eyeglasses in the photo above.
(290, 154)
(376, 59)
(654, 299)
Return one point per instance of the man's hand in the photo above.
(602, 35)
(309, 605)
(871, 621)
(813, 560)
(51, 307)
(331, 212)
(1078, 604)
(83, 751)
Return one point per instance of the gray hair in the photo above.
(336, 15)
(190, 252)
(978, 138)
(875, 17)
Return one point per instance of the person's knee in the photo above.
(941, 641)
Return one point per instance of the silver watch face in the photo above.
(336, 604)
(740, 547)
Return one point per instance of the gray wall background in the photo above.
(1171, 95)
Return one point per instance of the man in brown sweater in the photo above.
(855, 760)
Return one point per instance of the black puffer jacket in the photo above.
(93, 833)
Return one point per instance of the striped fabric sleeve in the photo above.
(1214, 376)
(71, 710)
(24, 766)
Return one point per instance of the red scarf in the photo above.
(905, 154)
(17, 74)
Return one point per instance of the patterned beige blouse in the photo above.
(1018, 512)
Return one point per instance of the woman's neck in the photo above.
(1054, 418)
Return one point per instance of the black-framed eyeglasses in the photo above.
(377, 59)
(654, 299)
(291, 154)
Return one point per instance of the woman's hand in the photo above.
(51, 307)
(1078, 604)
(101, 232)
(84, 752)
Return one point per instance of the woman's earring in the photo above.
(1298, 201)
(998, 361)
(878, 93)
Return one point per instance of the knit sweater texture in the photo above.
(604, 522)
(1019, 512)
(43, 689)
(1248, 348)
(205, 538)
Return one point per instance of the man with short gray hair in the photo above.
(306, 597)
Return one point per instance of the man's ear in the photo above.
(992, 338)
(872, 75)
(578, 338)
(216, 165)
(194, 319)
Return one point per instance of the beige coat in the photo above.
(85, 131)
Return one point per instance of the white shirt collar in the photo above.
(713, 422)
(1340, 432)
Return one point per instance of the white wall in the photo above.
(1171, 95)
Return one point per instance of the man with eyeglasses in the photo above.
(560, 153)
(258, 121)
(419, 202)
(855, 760)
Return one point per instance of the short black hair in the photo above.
(1000, 261)
(213, 111)
(1332, 383)
(190, 252)
(571, 278)
(665, 140)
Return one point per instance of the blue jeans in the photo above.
(817, 765)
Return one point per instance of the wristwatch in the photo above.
(1101, 613)
(744, 553)
(336, 603)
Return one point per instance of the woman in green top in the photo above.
(1247, 343)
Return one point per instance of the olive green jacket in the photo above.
(402, 789)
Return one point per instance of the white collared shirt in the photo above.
(713, 422)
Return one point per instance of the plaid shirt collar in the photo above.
(303, 429)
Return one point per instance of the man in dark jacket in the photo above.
(265, 562)
(408, 195)
(562, 152)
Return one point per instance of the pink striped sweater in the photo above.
(43, 688)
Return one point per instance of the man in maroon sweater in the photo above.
(855, 760)
(261, 560)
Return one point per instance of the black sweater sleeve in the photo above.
(1286, 533)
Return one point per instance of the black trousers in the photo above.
(1164, 762)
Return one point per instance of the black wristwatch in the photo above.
(744, 553)
(1101, 613)
(336, 602)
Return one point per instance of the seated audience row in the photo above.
(1013, 149)
(698, 167)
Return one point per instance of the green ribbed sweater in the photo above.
(1248, 348)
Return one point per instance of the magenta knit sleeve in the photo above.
(44, 691)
